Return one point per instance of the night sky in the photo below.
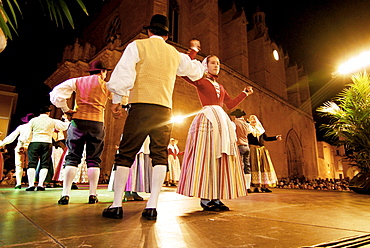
(319, 35)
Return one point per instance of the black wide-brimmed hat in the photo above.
(159, 21)
(238, 113)
(98, 66)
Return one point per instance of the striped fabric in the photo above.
(204, 175)
(263, 171)
(136, 180)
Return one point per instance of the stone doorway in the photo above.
(294, 155)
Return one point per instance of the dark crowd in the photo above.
(317, 184)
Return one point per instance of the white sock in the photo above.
(159, 173)
(69, 174)
(42, 175)
(111, 181)
(93, 174)
(31, 172)
(248, 178)
(120, 180)
(18, 174)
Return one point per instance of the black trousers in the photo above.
(143, 120)
(42, 151)
(81, 134)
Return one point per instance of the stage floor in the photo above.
(283, 218)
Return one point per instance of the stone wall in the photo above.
(280, 100)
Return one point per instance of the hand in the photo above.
(249, 90)
(63, 118)
(117, 110)
(195, 44)
(279, 137)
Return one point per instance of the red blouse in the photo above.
(208, 96)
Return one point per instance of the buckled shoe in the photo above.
(149, 214)
(113, 213)
(93, 199)
(64, 200)
(210, 206)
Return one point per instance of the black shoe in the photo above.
(211, 206)
(40, 188)
(93, 199)
(221, 206)
(74, 186)
(266, 190)
(32, 188)
(249, 191)
(113, 213)
(18, 187)
(64, 200)
(149, 213)
(257, 190)
(137, 197)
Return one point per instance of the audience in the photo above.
(317, 184)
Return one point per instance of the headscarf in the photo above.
(258, 129)
(210, 76)
(205, 64)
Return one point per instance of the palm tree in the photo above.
(9, 10)
(349, 116)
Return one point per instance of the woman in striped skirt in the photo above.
(211, 168)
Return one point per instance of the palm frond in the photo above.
(349, 119)
(57, 9)
(6, 23)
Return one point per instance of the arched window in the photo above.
(173, 18)
(113, 29)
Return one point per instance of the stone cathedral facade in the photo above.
(281, 98)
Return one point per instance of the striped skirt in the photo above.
(203, 173)
(263, 171)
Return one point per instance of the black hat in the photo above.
(159, 21)
(45, 109)
(98, 66)
(238, 113)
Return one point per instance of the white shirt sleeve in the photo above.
(11, 137)
(124, 74)
(61, 125)
(193, 69)
(62, 92)
(25, 135)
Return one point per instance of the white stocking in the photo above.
(31, 172)
(111, 181)
(120, 180)
(69, 174)
(93, 174)
(18, 174)
(159, 173)
(42, 176)
(248, 178)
